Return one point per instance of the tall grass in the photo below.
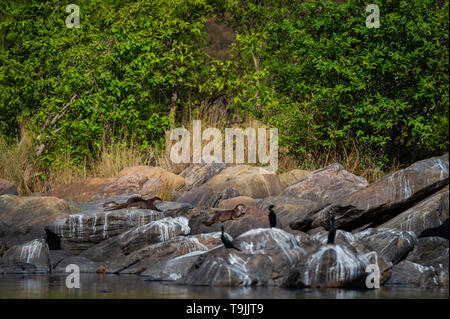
(18, 162)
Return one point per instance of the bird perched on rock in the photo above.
(227, 242)
(332, 231)
(134, 202)
(272, 216)
(440, 231)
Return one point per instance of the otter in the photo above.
(134, 202)
(228, 214)
(272, 216)
(226, 241)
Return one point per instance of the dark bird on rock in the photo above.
(440, 231)
(332, 231)
(134, 202)
(53, 240)
(227, 242)
(272, 216)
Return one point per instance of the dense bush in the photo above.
(311, 68)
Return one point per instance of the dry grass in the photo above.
(19, 165)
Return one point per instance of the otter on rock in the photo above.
(134, 202)
(228, 214)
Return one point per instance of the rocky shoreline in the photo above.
(377, 224)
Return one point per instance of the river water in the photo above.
(135, 287)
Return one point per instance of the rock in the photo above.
(126, 184)
(80, 191)
(23, 218)
(430, 251)
(254, 218)
(392, 244)
(56, 256)
(408, 273)
(172, 269)
(209, 196)
(6, 187)
(325, 185)
(85, 265)
(265, 257)
(140, 260)
(331, 266)
(18, 268)
(152, 187)
(138, 237)
(34, 252)
(83, 230)
(176, 181)
(249, 181)
(233, 202)
(229, 268)
(428, 213)
(198, 174)
(384, 199)
(293, 176)
(2, 248)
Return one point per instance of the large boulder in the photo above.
(292, 176)
(83, 230)
(264, 257)
(198, 174)
(409, 274)
(144, 258)
(330, 266)
(249, 181)
(392, 244)
(23, 218)
(233, 202)
(143, 180)
(430, 251)
(80, 191)
(6, 187)
(428, 213)
(253, 218)
(384, 199)
(138, 237)
(34, 252)
(325, 185)
(209, 196)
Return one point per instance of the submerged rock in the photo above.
(85, 265)
(34, 252)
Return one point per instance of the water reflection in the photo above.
(129, 286)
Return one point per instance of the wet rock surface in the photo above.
(377, 228)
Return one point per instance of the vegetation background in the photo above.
(89, 101)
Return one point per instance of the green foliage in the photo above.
(311, 68)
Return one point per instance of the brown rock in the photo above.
(249, 181)
(383, 199)
(80, 191)
(23, 218)
(232, 202)
(209, 196)
(6, 187)
(176, 181)
(428, 213)
(127, 184)
(293, 176)
(198, 174)
(34, 252)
